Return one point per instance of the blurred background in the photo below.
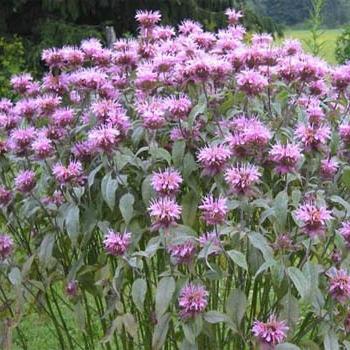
(28, 26)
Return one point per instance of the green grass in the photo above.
(329, 37)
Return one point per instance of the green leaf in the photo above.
(287, 346)
(164, 294)
(346, 176)
(130, 324)
(299, 280)
(189, 208)
(92, 175)
(147, 189)
(15, 276)
(108, 189)
(238, 258)
(236, 305)
(290, 311)
(342, 202)
(138, 293)
(259, 242)
(190, 165)
(216, 317)
(331, 341)
(198, 109)
(126, 206)
(161, 153)
(160, 332)
(280, 208)
(346, 344)
(46, 247)
(265, 266)
(72, 222)
(178, 152)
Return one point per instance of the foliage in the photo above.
(315, 21)
(335, 12)
(11, 62)
(182, 194)
(343, 46)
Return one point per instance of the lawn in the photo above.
(329, 37)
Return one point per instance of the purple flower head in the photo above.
(285, 157)
(25, 181)
(178, 107)
(148, 19)
(166, 182)
(344, 132)
(213, 159)
(21, 139)
(63, 117)
(329, 168)
(6, 246)
(313, 136)
(182, 253)
(72, 288)
(251, 82)
(339, 285)
(72, 174)
(164, 212)
(242, 178)
(345, 231)
(233, 16)
(193, 300)
(210, 240)
(213, 210)
(42, 147)
(314, 218)
(116, 243)
(105, 138)
(5, 196)
(270, 333)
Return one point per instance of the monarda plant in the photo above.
(179, 190)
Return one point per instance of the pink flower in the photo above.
(193, 300)
(313, 136)
(72, 288)
(167, 182)
(328, 168)
(270, 333)
(178, 107)
(25, 181)
(285, 157)
(182, 253)
(63, 117)
(72, 174)
(211, 240)
(164, 212)
(22, 82)
(241, 178)
(214, 211)
(116, 243)
(250, 136)
(21, 139)
(105, 138)
(344, 132)
(251, 82)
(213, 159)
(339, 285)
(84, 150)
(148, 19)
(5, 196)
(6, 246)
(42, 147)
(314, 218)
(233, 16)
(345, 232)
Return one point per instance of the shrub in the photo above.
(183, 190)
(11, 62)
(342, 51)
